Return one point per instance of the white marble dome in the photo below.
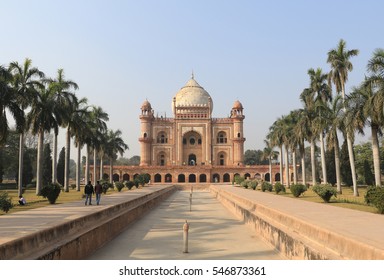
(192, 95)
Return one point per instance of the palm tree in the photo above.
(97, 123)
(335, 124)
(307, 120)
(339, 59)
(65, 98)
(275, 138)
(270, 154)
(80, 130)
(323, 94)
(9, 100)
(41, 119)
(26, 82)
(376, 69)
(115, 144)
(366, 107)
(301, 132)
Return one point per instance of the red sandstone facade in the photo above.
(192, 147)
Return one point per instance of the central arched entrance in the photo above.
(192, 159)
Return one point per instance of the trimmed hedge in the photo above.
(325, 191)
(298, 189)
(51, 192)
(375, 197)
(265, 186)
(5, 202)
(279, 187)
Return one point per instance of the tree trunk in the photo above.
(376, 155)
(21, 164)
(287, 167)
(350, 151)
(352, 162)
(270, 170)
(94, 166)
(86, 175)
(303, 166)
(39, 171)
(337, 165)
(323, 164)
(54, 159)
(313, 163)
(78, 166)
(281, 165)
(294, 166)
(66, 163)
(101, 168)
(111, 170)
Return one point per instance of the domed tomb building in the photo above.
(192, 137)
(192, 146)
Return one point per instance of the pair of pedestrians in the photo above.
(89, 190)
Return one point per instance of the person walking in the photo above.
(88, 190)
(98, 191)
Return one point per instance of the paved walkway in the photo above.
(214, 234)
(19, 224)
(362, 226)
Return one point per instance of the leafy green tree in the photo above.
(368, 175)
(331, 169)
(60, 167)
(345, 168)
(47, 165)
(28, 174)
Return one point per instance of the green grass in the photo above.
(344, 200)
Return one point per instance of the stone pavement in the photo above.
(19, 224)
(214, 234)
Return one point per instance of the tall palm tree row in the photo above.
(324, 119)
(41, 105)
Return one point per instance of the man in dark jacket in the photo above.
(88, 190)
(98, 190)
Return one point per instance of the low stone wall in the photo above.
(293, 237)
(78, 238)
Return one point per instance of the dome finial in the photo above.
(192, 76)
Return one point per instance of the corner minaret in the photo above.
(145, 139)
(237, 117)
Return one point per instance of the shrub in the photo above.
(253, 184)
(105, 186)
(265, 186)
(244, 184)
(119, 186)
(239, 179)
(136, 182)
(325, 191)
(279, 187)
(73, 186)
(5, 202)
(51, 192)
(298, 189)
(129, 184)
(375, 197)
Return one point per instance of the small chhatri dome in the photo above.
(193, 95)
(146, 105)
(237, 105)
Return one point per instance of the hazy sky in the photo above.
(123, 52)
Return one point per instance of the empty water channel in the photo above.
(214, 233)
